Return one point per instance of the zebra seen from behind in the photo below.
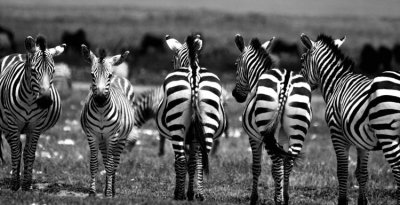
(191, 116)
(146, 106)
(278, 112)
(360, 112)
(107, 116)
(29, 103)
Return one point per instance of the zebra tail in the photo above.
(1, 148)
(199, 133)
(269, 136)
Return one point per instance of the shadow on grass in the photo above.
(50, 188)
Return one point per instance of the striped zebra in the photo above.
(279, 104)
(191, 115)
(107, 116)
(146, 106)
(360, 112)
(29, 103)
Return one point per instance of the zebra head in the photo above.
(101, 72)
(251, 63)
(309, 60)
(40, 68)
(181, 50)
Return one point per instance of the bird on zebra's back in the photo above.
(146, 105)
(29, 103)
(277, 115)
(107, 116)
(360, 111)
(191, 115)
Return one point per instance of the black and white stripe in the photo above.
(107, 116)
(29, 103)
(278, 113)
(360, 112)
(191, 115)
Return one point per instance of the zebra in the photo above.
(279, 103)
(360, 111)
(191, 115)
(146, 105)
(107, 116)
(29, 103)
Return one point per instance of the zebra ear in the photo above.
(239, 42)
(30, 44)
(198, 44)
(307, 42)
(172, 43)
(87, 54)
(57, 50)
(339, 42)
(118, 59)
(267, 45)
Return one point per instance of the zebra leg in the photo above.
(342, 157)
(277, 173)
(29, 158)
(362, 175)
(391, 151)
(14, 141)
(288, 166)
(256, 149)
(162, 144)
(94, 165)
(200, 172)
(180, 167)
(191, 171)
(109, 165)
(117, 155)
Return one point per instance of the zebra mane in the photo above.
(102, 54)
(328, 41)
(255, 43)
(41, 41)
(190, 42)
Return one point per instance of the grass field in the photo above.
(61, 171)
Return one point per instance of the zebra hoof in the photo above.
(190, 195)
(253, 199)
(15, 185)
(342, 201)
(362, 201)
(27, 187)
(92, 194)
(200, 197)
(179, 198)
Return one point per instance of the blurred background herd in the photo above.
(371, 27)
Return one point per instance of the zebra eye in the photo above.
(92, 75)
(110, 75)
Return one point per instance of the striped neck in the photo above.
(26, 84)
(256, 64)
(332, 69)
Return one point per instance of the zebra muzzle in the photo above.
(239, 98)
(44, 101)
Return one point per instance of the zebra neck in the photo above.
(253, 77)
(26, 86)
(104, 106)
(332, 70)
